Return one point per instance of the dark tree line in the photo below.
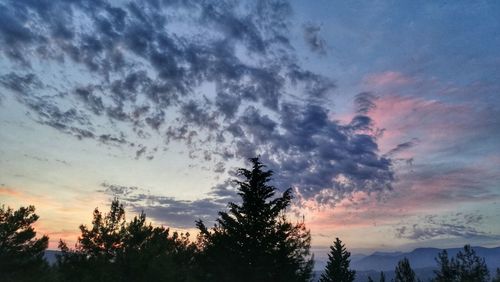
(252, 241)
(21, 254)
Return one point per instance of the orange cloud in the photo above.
(9, 192)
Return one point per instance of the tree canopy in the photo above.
(446, 271)
(21, 253)
(337, 268)
(253, 241)
(404, 272)
(466, 266)
(116, 250)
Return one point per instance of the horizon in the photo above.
(382, 117)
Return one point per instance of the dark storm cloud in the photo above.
(148, 65)
(457, 225)
(313, 38)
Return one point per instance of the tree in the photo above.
(253, 241)
(403, 272)
(382, 276)
(337, 268)
(497, 277)
(21, 254)
(114, 250)
(446, 271)
(470, 267)
(370, 279)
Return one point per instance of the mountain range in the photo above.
(422, 261)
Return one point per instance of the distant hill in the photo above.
(420, 258)
(422, 261)
(50, 256)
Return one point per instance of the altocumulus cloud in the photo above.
(216, 74)
(462, 225)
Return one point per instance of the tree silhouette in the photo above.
(337, 268)
(253, 241)
(21, 254)
(403, 272)
(466, 266)
(470, 267)
(370, 279)
(497, 277)
(382, 276)
(114, 250)
(446, 271)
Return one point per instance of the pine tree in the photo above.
(382, 276)
(21, 254)
(470, 267)
(446, 271)
(337, 268)
(497, 277)
(403, 272)
(253, 241)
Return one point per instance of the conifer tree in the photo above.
(337, 268)
(470, 267)
(21, 254)
(382, 276)
(497, 277)
(253, 241)
(404, 272)
(446, 271)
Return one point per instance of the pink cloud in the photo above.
(435, 190)
(430, 121)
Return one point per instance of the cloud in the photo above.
(313, 39)
(386, 79)
(204, 74)
(402, 147)
(8, 192)
(461, 225)
(166, 210)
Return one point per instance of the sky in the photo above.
(382, 116)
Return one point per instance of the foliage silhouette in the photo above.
(466, 266)
(470, 267)
(446, 271)
(497, 276)
(253, 241)
(404, 272)
(382, 276)
(114, 250)
(337, 267)
(21, 254)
